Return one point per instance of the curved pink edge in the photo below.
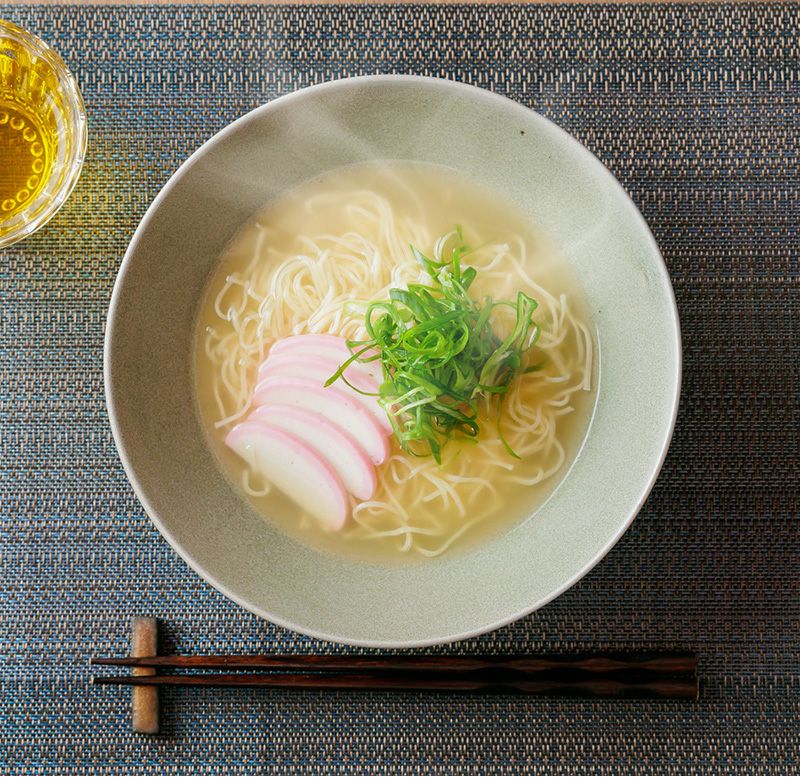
(378, 447)
(353, 455)
(267, 433)
(276, 363)
(311, 341)
(333, 343)
(369, 403)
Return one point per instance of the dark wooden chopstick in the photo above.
(625, 675)
(667, 688)
(656, 663)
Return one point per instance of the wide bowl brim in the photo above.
(150, 382)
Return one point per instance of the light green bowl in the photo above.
(148, 359)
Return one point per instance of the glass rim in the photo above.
(76, 120)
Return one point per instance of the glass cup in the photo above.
(42, 133)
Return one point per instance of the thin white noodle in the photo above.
(248, 489)
(418, 506)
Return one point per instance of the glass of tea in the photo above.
(42, 133)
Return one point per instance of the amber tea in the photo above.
(42, 133)
(27, 133)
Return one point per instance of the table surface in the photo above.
(697, 110)
(342, 2)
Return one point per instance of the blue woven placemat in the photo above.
(697, 110)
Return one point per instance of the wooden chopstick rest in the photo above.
(144, 700)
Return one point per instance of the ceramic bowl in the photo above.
(149, 372)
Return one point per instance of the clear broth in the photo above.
(440, 198)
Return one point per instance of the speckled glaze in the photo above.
(149, 382)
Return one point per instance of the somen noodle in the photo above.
(319, 281)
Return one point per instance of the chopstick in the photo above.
(668, 688)
(643, 675)
(658, 663)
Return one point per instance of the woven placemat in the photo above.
(697, 110)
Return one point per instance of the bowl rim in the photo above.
(333, 85)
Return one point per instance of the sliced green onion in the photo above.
(440, 354)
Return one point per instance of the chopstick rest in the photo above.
(144, 698)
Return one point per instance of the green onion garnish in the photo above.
(440, 354)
